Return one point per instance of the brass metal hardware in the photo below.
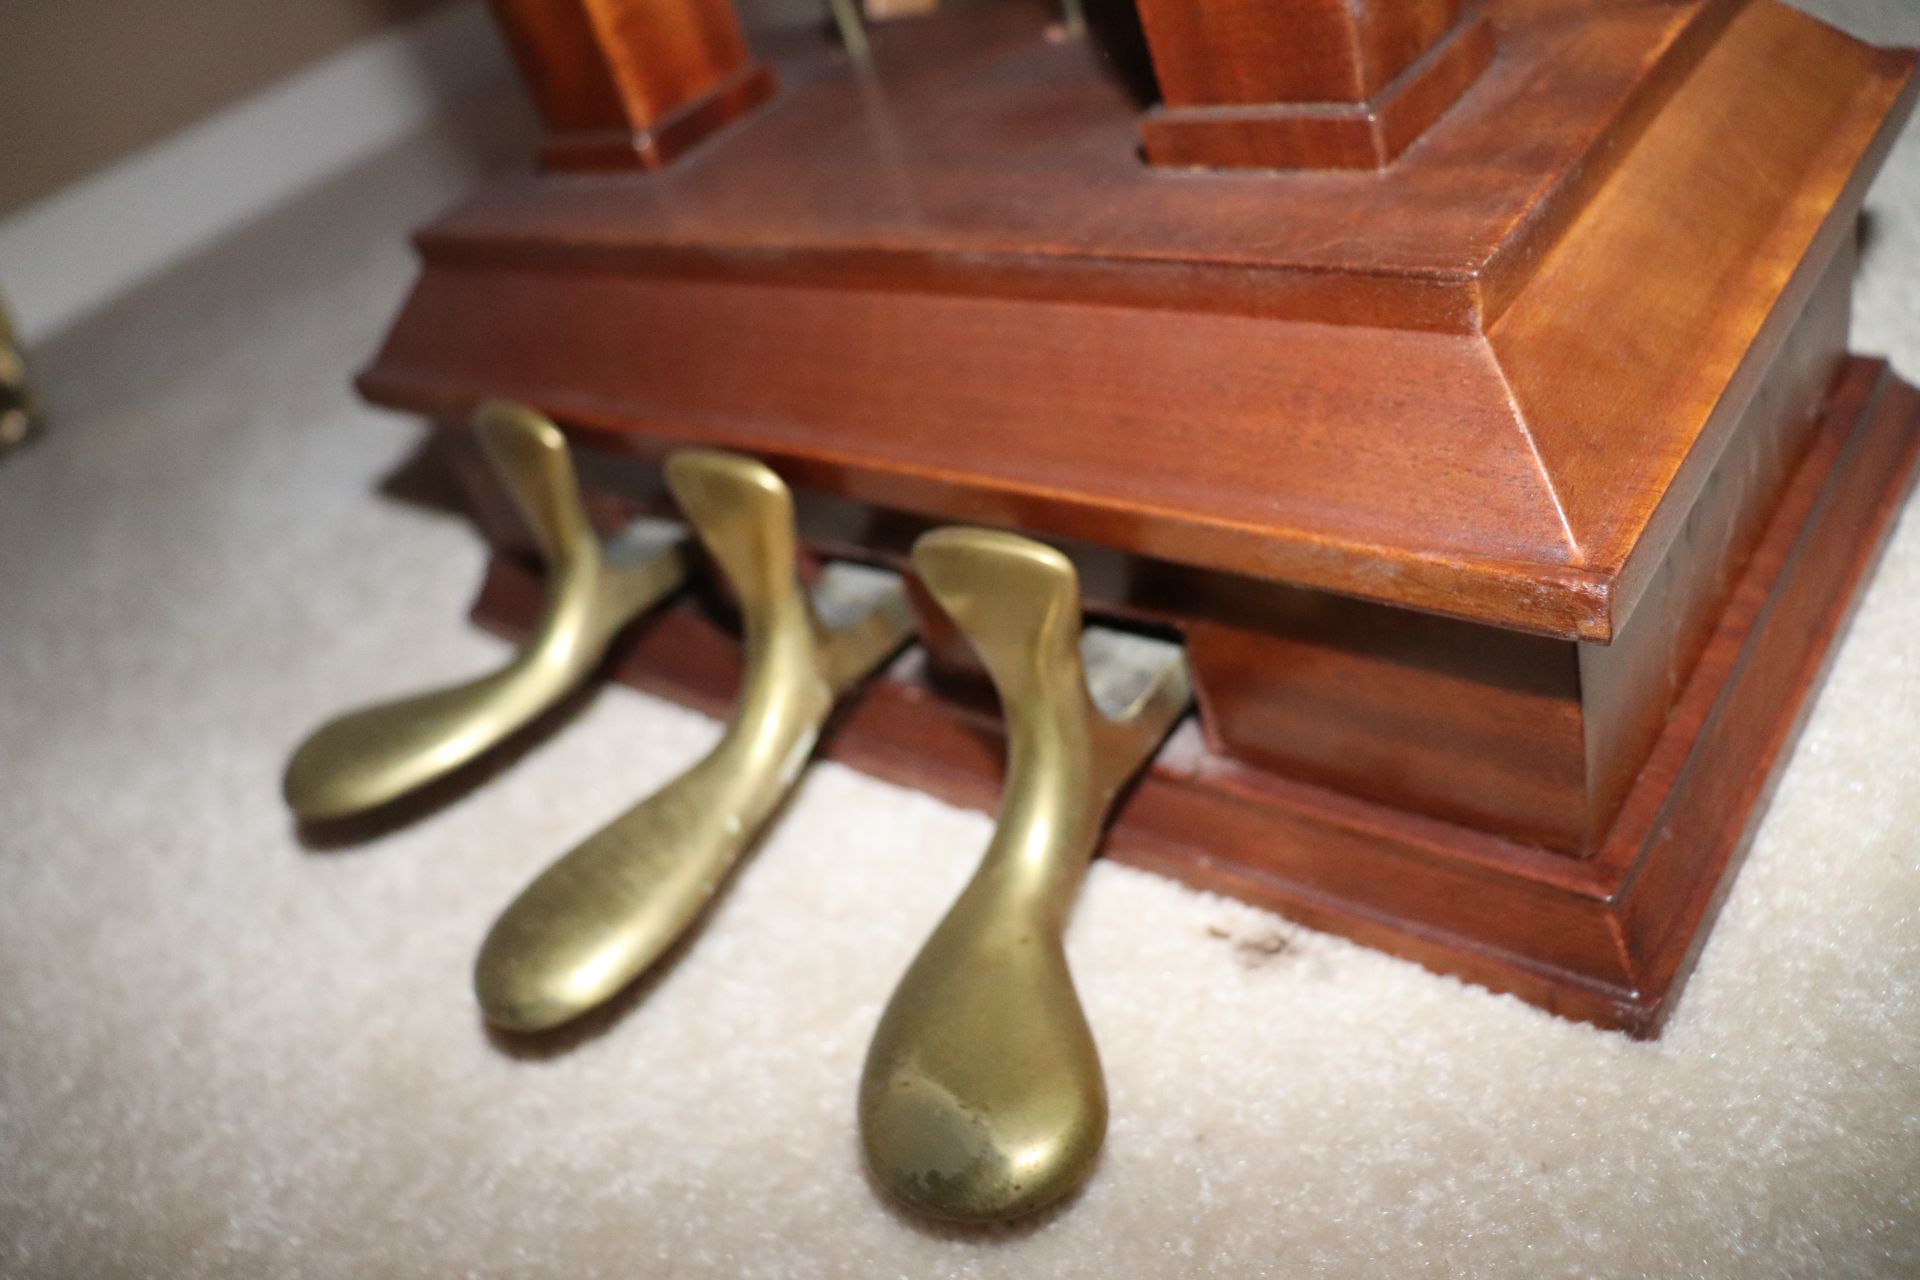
(368, 758)
(983, 1097)
(853, 31)
(19, 415)
(597, 918)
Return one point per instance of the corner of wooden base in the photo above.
(1608, 939)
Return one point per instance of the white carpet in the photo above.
(226, 1054)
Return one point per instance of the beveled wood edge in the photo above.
(1558, 601)
(1629, 571)
(1434, 301)
(1508, 266)
(1453, 300)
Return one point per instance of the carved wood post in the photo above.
(1304, 84)
(626, 84)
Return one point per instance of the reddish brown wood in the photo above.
(962, 297)
(1530, 738)
(1257, 133)
(1461, 721)
(1254, 52)
(1485, 490)
(623, 84)
(1526, 737)
(1022, 179)
(1607, 940)
(1630, 686)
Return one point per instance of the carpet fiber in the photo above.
(226, 1051)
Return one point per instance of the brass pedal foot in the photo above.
(19, 415)
(369, 758)
(983, 1097)
(597, 918)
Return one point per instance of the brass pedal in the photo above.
(983, 1097)
(19, 415)
(372, 757)
(597, 918)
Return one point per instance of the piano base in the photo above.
(1606, 939)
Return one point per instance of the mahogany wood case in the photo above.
(1466, 387)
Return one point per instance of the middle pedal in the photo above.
(596, 919)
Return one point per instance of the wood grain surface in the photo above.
(624, 84)
(1487, 383)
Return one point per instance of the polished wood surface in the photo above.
(1607, 939)
(1531, 738)
(1304, 85)
(1312, 385)
(1253, 52)
(624, 84)
(984, 159)
(1502, 497)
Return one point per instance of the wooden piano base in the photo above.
(1607, 939)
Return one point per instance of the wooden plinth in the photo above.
(1607, 939)
(1489, 492)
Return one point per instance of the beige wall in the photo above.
(86, 82)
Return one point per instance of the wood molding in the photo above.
(626, 84)
(1070, 296)
(1369, 134)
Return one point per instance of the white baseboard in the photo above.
(73, 251)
